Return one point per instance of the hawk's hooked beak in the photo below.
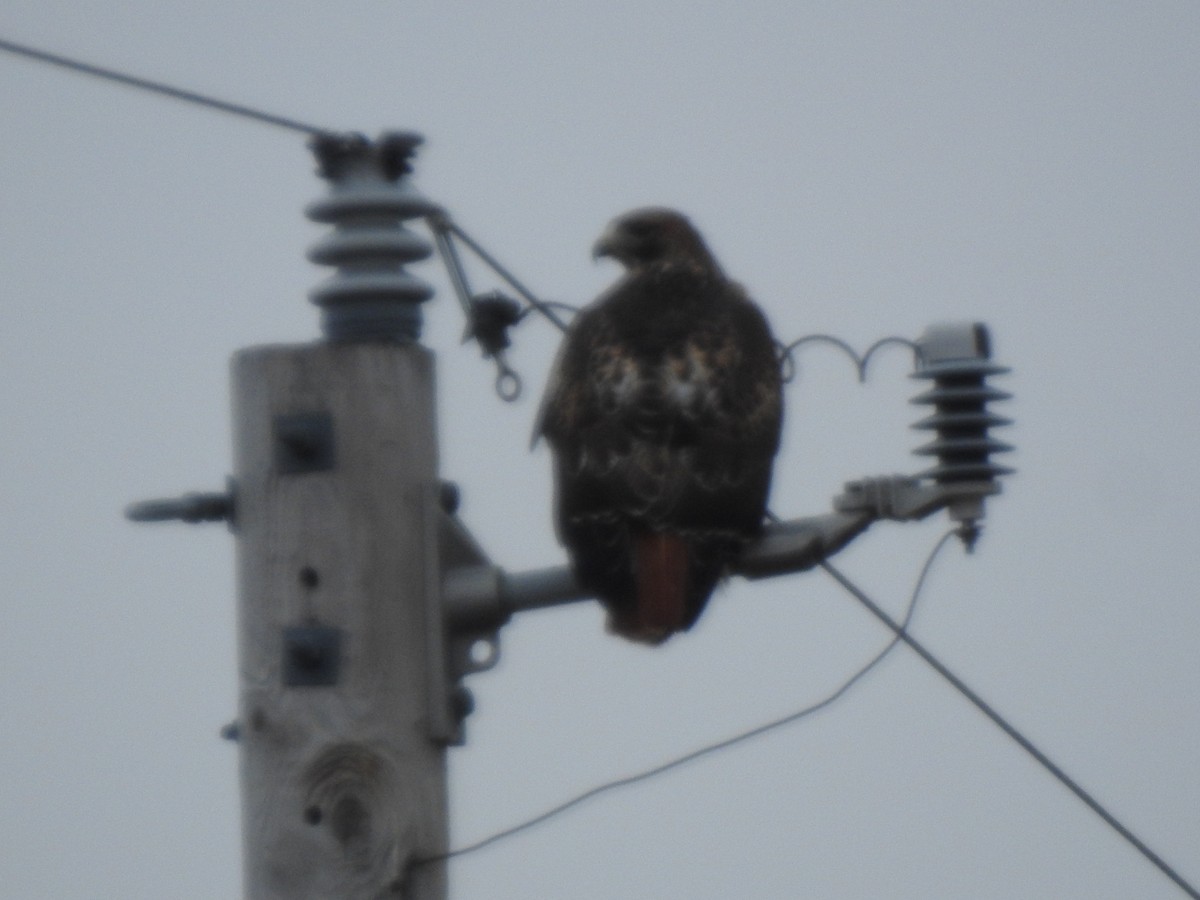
(614, 243)
(605, 246)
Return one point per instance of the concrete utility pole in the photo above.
(363, 601)
(342, 747)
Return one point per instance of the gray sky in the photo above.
(865, 169)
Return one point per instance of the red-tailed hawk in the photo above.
(663, 414)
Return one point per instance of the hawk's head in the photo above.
(654, 236)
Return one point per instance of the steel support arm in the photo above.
(480, 596)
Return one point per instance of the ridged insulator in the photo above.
(371, 296)
(957, 358)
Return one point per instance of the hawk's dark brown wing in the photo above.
(663, 412)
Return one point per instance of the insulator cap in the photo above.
(371, 296)
(956, 357)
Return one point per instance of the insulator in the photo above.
(957, 358)
(371, 296)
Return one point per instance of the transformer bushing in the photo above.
(371, 297)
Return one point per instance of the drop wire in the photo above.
(708, 749)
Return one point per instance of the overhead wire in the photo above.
(707, 749)
(901, 634)
(159, 87)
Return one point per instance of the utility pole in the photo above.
(363, 600)
(342, 763)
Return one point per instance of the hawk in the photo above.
(663, 414)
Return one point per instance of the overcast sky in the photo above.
(866, 169)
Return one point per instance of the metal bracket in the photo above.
(191, 508)
(480, 598)
(312, 655)
(467, 646)
(903, 498)
(303, 443)
(473, 639)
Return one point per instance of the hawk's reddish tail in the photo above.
(661, 566)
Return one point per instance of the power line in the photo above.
(1027, 745)
(158, 87)
(708, 749)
